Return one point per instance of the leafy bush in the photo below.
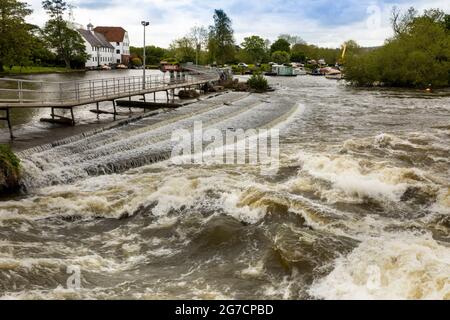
(136, 62)
(9, 169)
(258, 82)
(266, 67)
(188, 94)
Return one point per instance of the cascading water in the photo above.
(359, 207)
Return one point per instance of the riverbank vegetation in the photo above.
(417, 56)
(35, 70)
(9, 170)
(258, 83)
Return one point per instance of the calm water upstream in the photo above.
(26, 122)
(360, 207)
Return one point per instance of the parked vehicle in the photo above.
(242, 65)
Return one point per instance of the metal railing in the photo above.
(32, 92)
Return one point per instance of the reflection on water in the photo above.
(359, 209)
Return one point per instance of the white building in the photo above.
(118, 38)
(100, 51)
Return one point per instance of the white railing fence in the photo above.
(20, 91)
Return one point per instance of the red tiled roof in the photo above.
(112, 34)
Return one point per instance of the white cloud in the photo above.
(173, 18)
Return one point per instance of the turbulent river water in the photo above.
(359, 208)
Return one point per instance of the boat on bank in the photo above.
(281, 71)
(316, 72)
(300, 71)
(334, 75)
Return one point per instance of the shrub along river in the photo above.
(358, 209)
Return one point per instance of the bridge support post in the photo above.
(154, 96)
(114, 107)
(7, 118)
(98, 109)
(167, 95)
(143, 96)
(73, 117)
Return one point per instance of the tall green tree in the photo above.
(293, 40)
(255, 48)
(298, 56)
(183, 50)
(39, 52)
(447, 21)
(280, 45)
(67, 42)
(281, 57)
(221, 38)
(153, 54)
(199, 36)
(15, 40)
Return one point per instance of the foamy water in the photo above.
(359, 208)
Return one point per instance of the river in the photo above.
(30, 131)
(358, 209)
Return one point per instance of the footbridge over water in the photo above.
(20, 93)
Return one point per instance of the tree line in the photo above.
(418, 55)
(23, 44)
(216, 45)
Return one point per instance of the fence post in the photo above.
(20, 86)
(42, 92)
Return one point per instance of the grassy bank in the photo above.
(9, 170)
(251, 68)
(36, 70)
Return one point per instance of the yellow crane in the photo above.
(344, 51)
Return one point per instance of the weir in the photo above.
(20, 93)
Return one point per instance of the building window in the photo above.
(118, 51)
(118, 43)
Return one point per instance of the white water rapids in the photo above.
(359, 209)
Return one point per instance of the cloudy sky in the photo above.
(322, 22)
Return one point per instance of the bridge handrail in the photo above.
(24, 91)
